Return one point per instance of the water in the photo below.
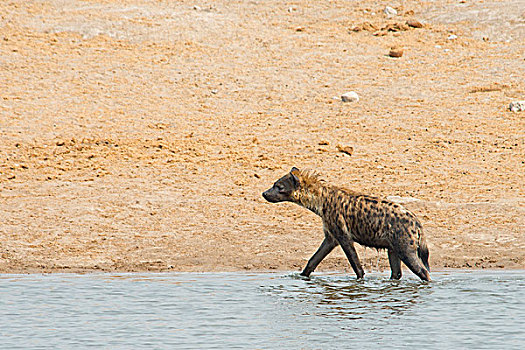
(458, 310)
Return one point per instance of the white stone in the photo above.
(389, 11)
(452, 37)
(517, 106)
(351, 96)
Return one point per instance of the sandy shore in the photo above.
(139, 135)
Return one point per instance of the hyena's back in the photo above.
(377, 223)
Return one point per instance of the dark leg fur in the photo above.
(423, 254)
(395, 265)
(351, 254)
(415, 265)
(326, 247)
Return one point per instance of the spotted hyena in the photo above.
(350, 217)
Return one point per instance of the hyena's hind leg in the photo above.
(395, 264)
(326, 247)
(422, 251)
(414, 263)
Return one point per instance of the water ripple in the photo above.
(235, 310)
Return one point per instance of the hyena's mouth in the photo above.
(268, 197)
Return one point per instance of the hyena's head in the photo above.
(283, 189)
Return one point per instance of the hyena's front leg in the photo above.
(343, 236)
(326, 247)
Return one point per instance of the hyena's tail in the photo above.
(422, 252)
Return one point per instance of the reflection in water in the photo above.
(345, 297)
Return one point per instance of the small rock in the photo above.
(299, 29)
(517, 106)
(345, 149)
(452, 37)
(323, 143)
(197, 7)
(396, 52)
(414, 23)
(351, 96)
(60, 143)
(214, 91)
(389, 11)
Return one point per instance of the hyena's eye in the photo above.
(280, 188)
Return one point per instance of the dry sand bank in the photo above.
(138, 135)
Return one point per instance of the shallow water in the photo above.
(480, 309)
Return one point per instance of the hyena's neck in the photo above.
(314, 197)
(320, 198)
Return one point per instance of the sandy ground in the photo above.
(139, 135)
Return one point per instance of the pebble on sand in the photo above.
(395, 52)
(517, 106)
(389, 11)
(351, 96)
(345, 149)
(414, 23)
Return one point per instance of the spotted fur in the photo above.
(349, 217)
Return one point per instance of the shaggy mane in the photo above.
(309, 177)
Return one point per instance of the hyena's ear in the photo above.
(295, 179)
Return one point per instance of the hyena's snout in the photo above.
(270, 196)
